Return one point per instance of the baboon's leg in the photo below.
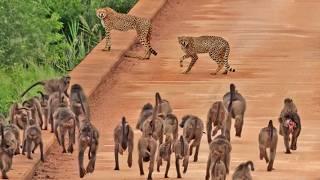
(116, 156)
(228, 127)
(130, 150)
(28, 144)
(178, 168)
(24, 146)
(41, 151)
(194, 59)
(161, 139)
(185, 163)
(140, 163)
(71, 140)
(51, 122)
(272, 157)
(35, 147)
(295, 136)
(4, 174)
(159, 162)
(92, 161)
(82, 171)
(227, 162)
(62, 135)
(208, 168)
(167, 168)
(209, 127)
(18, 147)
(196, 153)
(263, 153)
(286, 142)
(152, 159)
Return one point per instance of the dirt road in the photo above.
(275, 48)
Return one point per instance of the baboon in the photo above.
(32, 136)
(53, 85)
(19, 115)
(12, 136)
(2, 120)
(192, 130)
(243, 171)
(6, 156)
(268, 138)
(77, 96)
(123, 138)
(43, 99)
(164, 107)
(64, 121)
(236, 106)
(217, 116)
(218, 170)
(53, 104)
(164, 153)
(171, 126)
(145, 113)
(34, 106)
(181, 150)
(288, 106)
(147, 147)
(88, 137)
(220, 147)
(291, 125)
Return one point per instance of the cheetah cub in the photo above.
(217, 47)
(110, 19)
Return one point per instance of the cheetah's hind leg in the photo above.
(217, 70)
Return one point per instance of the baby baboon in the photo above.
(288, 106)
(53, 85)
(236, 105)
(123, 137)
(217, 116)
(34, 106)
(165, 154)
(171, 126)
(268, 138)
(6, 156)
(181, 150)
(147, 147)
(164, 107)
(32, 136)
(218, 170)
(12, 136)
(243, 171)
(53, 104)
(145, 113)
(76, 97)
(192, 130)
(19, 115)
(88, 137)
(64, 121)
(43, 99)
(291, 125)
(220, 147)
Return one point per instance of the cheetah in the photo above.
(111, 19)
(217, 47)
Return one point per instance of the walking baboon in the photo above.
(65, 121)
(218, 170)
(77, 96)
(242, 172)
(164, 107)
(164, 153)
(34, 106)
(268, 138)
(291, 125)
(6, 156)
(32, 136)
(181, 150)
(217, 116)
(288, 106)
(220, 147)
(236, 105)
(145, 113)
(43, 99)
(53, 85)
(147, 147)
(19, 115)
(12, 136)
(53, 104)
(123, 138)
(88, 137)
(192, 131)
(171, 126)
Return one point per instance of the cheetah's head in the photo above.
(101, 13)
(183, 41)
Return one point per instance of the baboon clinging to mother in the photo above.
(268, 138)
(6, 156)
(217, 117)
(288, 106)
(164, 153)
(181, 151)
(291, 126)
(242, 172)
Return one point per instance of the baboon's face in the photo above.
(86, 134)
(238, 126)
(183, 121)
(10, 141)
(66, 80)
(21, 115)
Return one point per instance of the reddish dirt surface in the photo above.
(275, 50)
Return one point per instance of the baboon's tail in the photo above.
(124, 139)
(153, 51)
(232, 94)
(2, 136)
(270, 126)
(182, 146)
(35, 84)
(251, 164)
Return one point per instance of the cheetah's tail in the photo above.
(153, 51)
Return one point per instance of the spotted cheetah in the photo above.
(110, 19)
(217, 47)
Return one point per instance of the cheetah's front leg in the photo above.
(183, 58)
(193, 61)
(108, 40)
